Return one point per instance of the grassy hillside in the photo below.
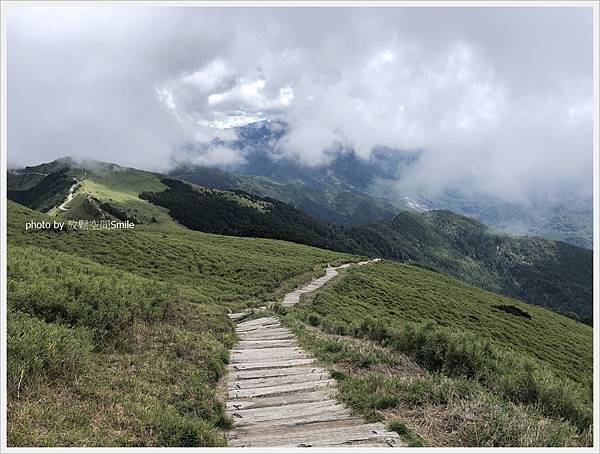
(210, 211)
(119, 338)
(548, 273)
(210, 268)
(48, 192)
(92, 352)
(395, 293)
(104, 191)
(411, 346)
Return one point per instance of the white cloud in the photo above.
(215, 76)
(218, 96)
(494, 97)
(230, 120)
(213, 155)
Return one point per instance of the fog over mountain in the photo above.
(498, 100)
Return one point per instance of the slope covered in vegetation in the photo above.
(547, 273)
(119, 337)
(410, 346)
(327, 203)
(209, 211)
(48, 192)
(395, 293)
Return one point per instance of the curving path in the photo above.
(278, 396)
(62, 207)
(330, 272)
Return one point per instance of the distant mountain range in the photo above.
(544, 272)
(558, 217)
(328, 203)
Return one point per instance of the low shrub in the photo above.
(329, 325)
(462, 354)
(39, 350)
(372, 329)
(401, 429)
(313, 319)
(454, 353)
(525, 382)
(56, 289)
(372, 392)
(518, 402)
(173, 429)
(338, 375)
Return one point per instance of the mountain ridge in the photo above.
(548, 273)
(384, 177)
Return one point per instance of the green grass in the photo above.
(108, 191)
(39, 350)
(394, 294)
(77, 209)
(533, 363)
(108, 183)
(207, 268)
(87, 342)
(161, 390)
(122, 183)
(120, 338)
(546, 273)
(76, 293)
(430, 408)
(119, 187)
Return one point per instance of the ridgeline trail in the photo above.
(62, 207)
(279, 396)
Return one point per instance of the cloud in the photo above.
(494, 98)
(213, 155)
(216, 96)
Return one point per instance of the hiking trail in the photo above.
(279, 396)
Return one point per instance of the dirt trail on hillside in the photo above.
(62, 207)
(278, 396)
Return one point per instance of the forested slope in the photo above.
(543, 272)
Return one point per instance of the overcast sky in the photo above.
(497, 97)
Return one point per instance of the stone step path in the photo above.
(278, 396)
